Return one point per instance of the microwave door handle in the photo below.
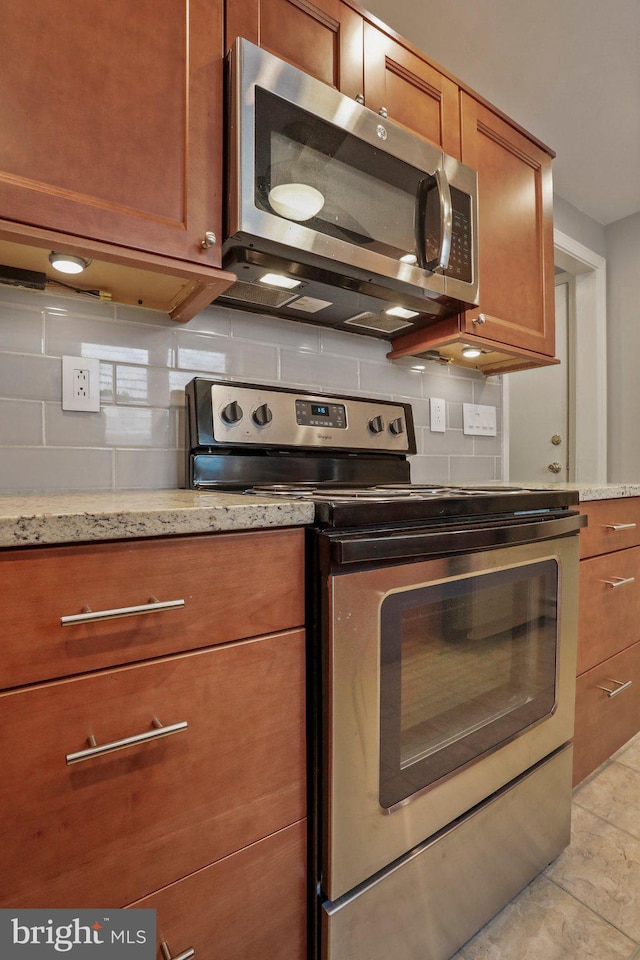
(439, 180)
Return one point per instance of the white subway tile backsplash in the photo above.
(21, 329)
(377, 378)
(137, 439)
(21, 423)
(30, 377)
(112, 427)
(54, 469)
(107, 340)
(149, 469)
(222, 356)
(316, 372)
(472, 468)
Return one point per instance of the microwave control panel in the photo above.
(460, 258)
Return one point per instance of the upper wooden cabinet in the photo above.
(334, 43)
(410, 90)
(514, 325)
(323, 37)
(111, 133)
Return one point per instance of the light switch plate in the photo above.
(81, 384)
(479, 420)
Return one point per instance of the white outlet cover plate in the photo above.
(437, 415)
(479, 420)
(91, 402)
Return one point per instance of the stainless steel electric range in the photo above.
(442, 647)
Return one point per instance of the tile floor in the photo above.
(586, 904)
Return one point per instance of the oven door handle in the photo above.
(397, 545)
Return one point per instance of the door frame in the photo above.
(587, 350)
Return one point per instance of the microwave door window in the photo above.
(311, 172)
(465, 666)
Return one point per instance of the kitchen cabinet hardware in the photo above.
(619, 581)
(556, 439)
(209, 240)
(185, 955)
(621, 685)
(554, 467)
(480, 319)
(97, 750)
(619, 526)
(359, 98)
(91, 616)
(384, 113)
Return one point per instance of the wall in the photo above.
(623, 346)
(578, 225)
(136, 440)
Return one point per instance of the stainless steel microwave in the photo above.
(337, 215)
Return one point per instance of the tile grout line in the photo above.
(595, 913)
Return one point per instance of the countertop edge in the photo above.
(48, 520)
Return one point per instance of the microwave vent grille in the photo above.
(257, 294)
(377, 321)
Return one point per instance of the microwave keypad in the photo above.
(460, 261)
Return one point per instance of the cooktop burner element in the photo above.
(349, 455)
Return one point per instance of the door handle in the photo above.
(99, 749)
(555, 467)
(441, 262)
(620, 686)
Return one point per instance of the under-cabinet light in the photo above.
(66, 263)
(402, 312)
(409, 258)
(471, 352)
(279, 280)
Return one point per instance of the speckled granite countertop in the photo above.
(72, 517)
(590, 491)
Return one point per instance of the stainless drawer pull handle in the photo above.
(98, 749)
(91, 616)
(621, 685)
(619, 581)
(619, 526)
(185, 955)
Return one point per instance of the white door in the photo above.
(539, 410)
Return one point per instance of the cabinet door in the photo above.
(106, 830)
(413, 92)
(251, 904)
(515, 207)
(604, 722)
(609, 611)
(321, 37)
(110, 121)
(231, 586)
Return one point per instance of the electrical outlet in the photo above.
(80, 384)
(437, 415)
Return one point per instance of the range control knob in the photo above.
(232, 413)
(376, 425)
(396, 427)
(262, 415)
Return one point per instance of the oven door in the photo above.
(446, 678)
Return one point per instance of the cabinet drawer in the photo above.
(233, 586)
(613, 525)
(603, 722)
(609, 608)
(105, 831)
(251, 904)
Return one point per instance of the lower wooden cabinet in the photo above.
(108, 829)
(608, 683)
(250, 904)
(607, 710)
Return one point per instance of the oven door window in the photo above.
(466, 664)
